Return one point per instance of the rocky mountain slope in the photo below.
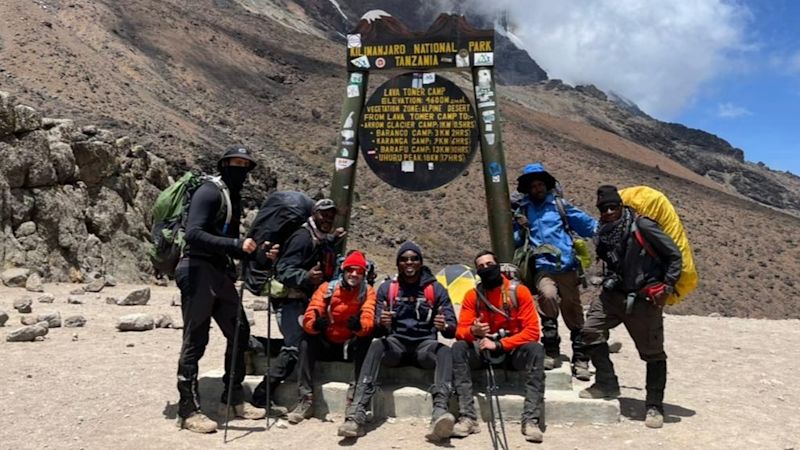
(183, 81)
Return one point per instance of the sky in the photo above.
(728, 67)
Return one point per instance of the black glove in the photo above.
(354, 323)
(322, 323)
(499, 350)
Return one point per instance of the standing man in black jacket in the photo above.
(643, 264)
(412, 310)
(206, 276)
(308, 258)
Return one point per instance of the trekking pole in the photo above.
(269, 342)
(494, 401)
(232, 375)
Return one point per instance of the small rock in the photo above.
(163, 282)
(96, 285)
(130, 345)
(137, 297)
(258, 305)
(23, 305)
(28, 320)
(163, 321)
(46, 298)
(74, 337)
(26, 334)
(77, 291)
(714, 314)
(111, 300)
(3, 318)
(110, 281)
(34, 283)
(16, 277)
(53, 318)
(316, 113)
(176, 300)
(76, 321)
(135, 322)
(43, 324)
(74, 300)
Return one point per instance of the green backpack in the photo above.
(169, 219)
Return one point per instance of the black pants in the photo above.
(317, 348)
(393, 352)
(287, 312)
(528, 358)
(207, 291)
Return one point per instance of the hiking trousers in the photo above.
(394, 352)
(559, 292)
(288, 313)
(528, 358)
(317, 348)
(208, 291)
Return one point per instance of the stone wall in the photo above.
(74, 202)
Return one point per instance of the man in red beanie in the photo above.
(338, 326)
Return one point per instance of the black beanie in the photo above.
(607, 195)
(406, 246)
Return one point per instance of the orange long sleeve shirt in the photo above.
(523, 323)
(343, 304)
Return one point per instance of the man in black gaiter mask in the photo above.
(498, 318)
(206, 276)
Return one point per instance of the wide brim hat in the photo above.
(532, 172)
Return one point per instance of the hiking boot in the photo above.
(614, 346)
(243, 410)
(597, 391)
(531, 431)
(581, 370)
(441, 427)
(466, 426)
(350, 429)
(552, 362)
(197, 422)
(654, 418)
(303, 410)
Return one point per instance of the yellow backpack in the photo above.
(653, 204)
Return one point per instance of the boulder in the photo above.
(46, 298)
(63, 162)
(16, 277)
(75, 321)
(15, 164)
(21, 205)
(106, 215)
(53, 318)
(95, 285)
(111, 300)
(135, 322)
(137, 297)
(34, 283)
(26, 119)
(27, 334)
(96, 161)
(25, 229)
(72, 300)
(23, 305)
(163, 321)
(40, 169)
(7, 116)
(3, 318)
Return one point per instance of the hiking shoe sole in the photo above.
(442, 428)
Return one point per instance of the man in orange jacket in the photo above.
(338, 324)
(504, 324)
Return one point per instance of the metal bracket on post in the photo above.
(495, 180)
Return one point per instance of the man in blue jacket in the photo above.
(411, 310)
(548, 219)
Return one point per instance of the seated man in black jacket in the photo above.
(412, 309)
(643, 265)
(206, 276)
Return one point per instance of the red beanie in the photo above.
(355, 259)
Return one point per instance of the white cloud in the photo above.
(731, 111)
(657, 53)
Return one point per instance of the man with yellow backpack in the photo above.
(643, 265)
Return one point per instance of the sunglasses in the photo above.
(608, 208)
(358, 270)
(408, 259)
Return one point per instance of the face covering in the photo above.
(234, 177)
(490, 276)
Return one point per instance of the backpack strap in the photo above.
(637, 233)
(430, 296)
(512, 288)
(394, 288)
(483, 299)
(332, 285)
(226, 199)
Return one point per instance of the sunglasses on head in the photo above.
(609, 208)
(414, 258)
